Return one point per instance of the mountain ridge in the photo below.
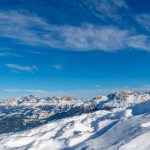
(27, 112)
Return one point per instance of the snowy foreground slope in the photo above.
(119, 121)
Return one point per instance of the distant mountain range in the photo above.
(21, 113)
(118, 121)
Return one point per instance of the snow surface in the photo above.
(124, 127)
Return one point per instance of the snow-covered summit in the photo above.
(125, 99)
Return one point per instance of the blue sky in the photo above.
(81, 48)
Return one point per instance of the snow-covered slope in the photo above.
(119, 121)
(23, 113)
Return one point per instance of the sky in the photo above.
(80, 48)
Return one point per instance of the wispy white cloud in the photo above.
(107, 9)
(21, 68)
(2, 54)
(57, 67)
(16, 25)
(25, 90)
(97, 86)
(139, 42)
(77, 38)
(144, 20)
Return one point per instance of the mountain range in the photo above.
(119, 120)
